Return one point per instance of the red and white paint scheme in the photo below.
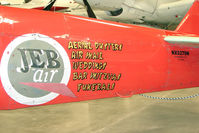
(50, 58)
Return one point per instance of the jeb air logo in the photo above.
(35, 69)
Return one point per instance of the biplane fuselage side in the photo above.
(49, 58)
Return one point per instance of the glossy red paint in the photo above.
(132, 59)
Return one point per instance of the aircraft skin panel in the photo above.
(60, 58)
(190, 22)
(182, 39)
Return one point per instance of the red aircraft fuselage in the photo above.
(49, 58)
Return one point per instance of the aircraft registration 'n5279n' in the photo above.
(50, 58)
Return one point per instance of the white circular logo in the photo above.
(31, 65)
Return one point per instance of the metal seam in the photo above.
(170, 98)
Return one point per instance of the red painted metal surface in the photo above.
(49, 58)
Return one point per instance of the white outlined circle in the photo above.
(10, 90)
